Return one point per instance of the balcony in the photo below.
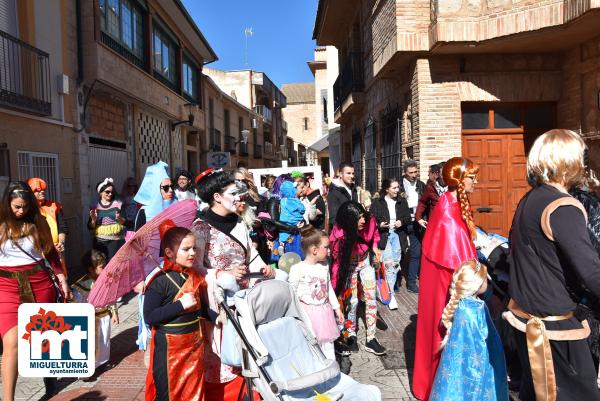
(265, 112)
(243, 149)
(349, 85)
(258, 153)
(230, 144)
(268, 148)
(24, 76)
(214, 140)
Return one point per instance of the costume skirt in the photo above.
(41, 286)
(176, 369)
(102, 339)
(323, 322)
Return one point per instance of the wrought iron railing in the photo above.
(214, 140)
(268, 148)
(258, 153)
(230, 144)
(264, 111)
(122, 50)
(351, 79)
(24, 76)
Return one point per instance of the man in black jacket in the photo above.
(343, 192)
(412, 188)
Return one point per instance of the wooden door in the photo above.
(502, 178)
(488, 152)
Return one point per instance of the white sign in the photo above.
(57, 340)
(218, 159)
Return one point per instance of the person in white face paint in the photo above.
(223, 246)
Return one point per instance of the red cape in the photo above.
(447, 244)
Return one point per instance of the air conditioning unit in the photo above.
(254, 123)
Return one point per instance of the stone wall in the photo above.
(294, 114)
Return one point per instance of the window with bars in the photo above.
(41, 165)
(371, 156)
(391, 139)
(357, 156)
(4, 169)
(122, 22)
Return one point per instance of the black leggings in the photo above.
(109, 247)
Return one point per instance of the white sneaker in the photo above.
(393, 305)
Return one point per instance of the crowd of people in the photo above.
(421, 235)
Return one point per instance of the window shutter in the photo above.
(8, 17)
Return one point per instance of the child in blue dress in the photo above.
(472, 366)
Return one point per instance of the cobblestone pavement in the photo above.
(125, 379)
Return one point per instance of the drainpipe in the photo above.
(79, 43)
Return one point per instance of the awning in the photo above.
(320, 144)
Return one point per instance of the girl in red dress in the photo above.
(25, 245)
(448, 243)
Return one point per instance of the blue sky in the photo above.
(282, 41)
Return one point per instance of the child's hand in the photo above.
(188, 301)
(115, 319)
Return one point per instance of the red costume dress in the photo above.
(446, 245)
(176, 369)
(22, 279)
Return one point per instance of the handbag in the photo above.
(60, 297)
(383, 289)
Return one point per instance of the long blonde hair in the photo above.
(466, 281)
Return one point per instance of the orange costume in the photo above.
(51, 211)
(176, 370)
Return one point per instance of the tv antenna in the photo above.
(248, 33)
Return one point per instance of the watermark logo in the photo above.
(56, 340)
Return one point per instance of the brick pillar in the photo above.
(438, 119)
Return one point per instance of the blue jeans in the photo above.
(414, 253)
(391, 258)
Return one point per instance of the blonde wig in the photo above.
(557, 157)
(466, 281)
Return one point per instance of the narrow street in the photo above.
(125, 379)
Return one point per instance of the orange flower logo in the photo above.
(44, 321)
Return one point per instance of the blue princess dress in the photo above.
(472, 366)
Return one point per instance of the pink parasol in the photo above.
(138, 256)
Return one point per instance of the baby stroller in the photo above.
(280, 356)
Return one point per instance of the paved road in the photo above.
(125, 379)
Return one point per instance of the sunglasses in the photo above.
(166, 187)
(108, 192)
(471, 176)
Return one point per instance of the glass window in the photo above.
(126, 25)
(164, 56)
(507, 116)
(475, 116)
(539, 116)
(122, 21)
(190, 82)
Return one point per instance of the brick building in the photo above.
(226, 120)
(38, 101)
(434, 79)
(257, 92)
(94, 89)
(300, 115)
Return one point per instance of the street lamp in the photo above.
(189, 121)
(244, 139)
